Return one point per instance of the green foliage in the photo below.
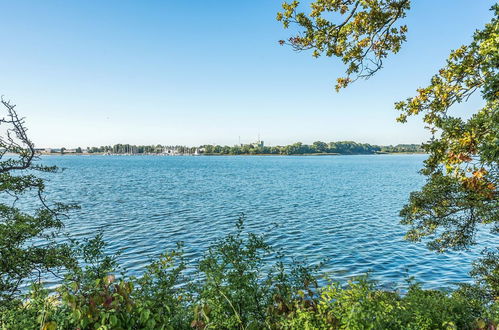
(486, 273)
(107, 303)
(93, 298)
(90, 291)
(236, 285)
(362, 305)
(462, 169)
(360, 33)
(409, 148)
(38, 311)
(140, 149)
(318, 147)
(161, 292)
(231, 296)
(28, 245)
(240, 289)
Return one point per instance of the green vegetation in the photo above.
(460, 196)
(140, 149)
(403, 148)
(318, 147)
(462, 170)
(360, 33)
(234, 286)
(20, 258)
(241, 282)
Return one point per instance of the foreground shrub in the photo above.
(241, 289)
(362, 306)
(240, 283)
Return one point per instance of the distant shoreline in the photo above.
(215, 155)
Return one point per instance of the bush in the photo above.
(240, 288)
(362, 306)
(236, 285)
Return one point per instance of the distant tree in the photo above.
(236, 150)
(208, 149)
(298, 148)
(28, 245)
(78, 150)
(319, 146)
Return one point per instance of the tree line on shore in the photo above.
(142, 149)
(318, 147)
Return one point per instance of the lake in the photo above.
(343, 209)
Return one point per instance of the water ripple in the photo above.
(343, 209)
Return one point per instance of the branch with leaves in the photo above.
(462, 170)
(360, 33)
(28, 245)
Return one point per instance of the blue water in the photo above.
(340, 208)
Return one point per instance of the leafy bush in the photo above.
(362, 306)
(162, 298)
(240, 288)
(236, 286)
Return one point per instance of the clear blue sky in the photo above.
(90, 73)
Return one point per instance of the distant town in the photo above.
(256, 148)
